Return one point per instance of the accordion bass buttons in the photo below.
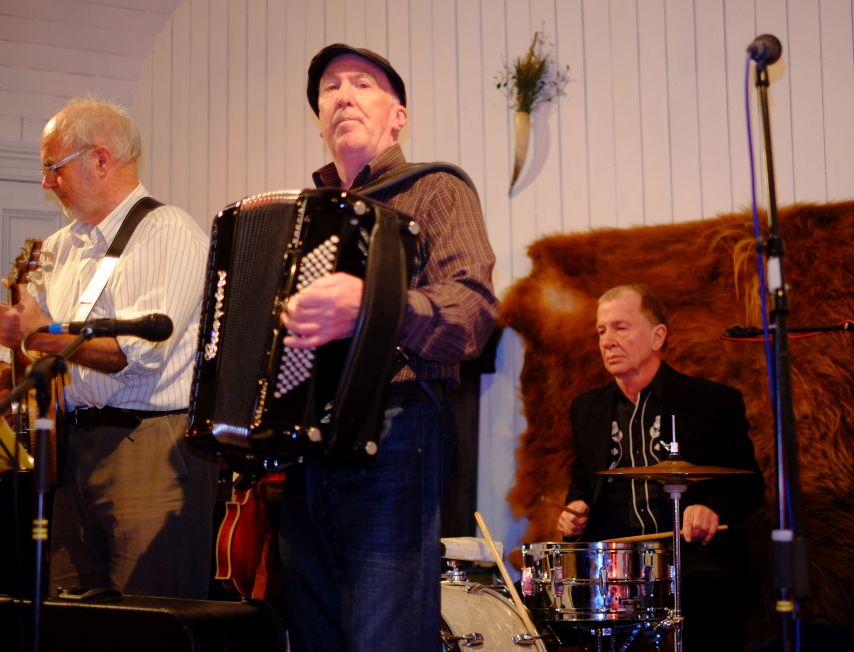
(413, 227)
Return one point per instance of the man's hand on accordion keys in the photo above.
(323, 311)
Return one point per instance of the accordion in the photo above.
(255, 400)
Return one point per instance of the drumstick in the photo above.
(651, 537)
(556, 503)
(523, 610)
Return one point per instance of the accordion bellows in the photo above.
(255, 399)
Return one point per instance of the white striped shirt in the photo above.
(161, 270)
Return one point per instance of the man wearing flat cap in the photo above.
(360, 547)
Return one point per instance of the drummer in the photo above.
(630, 423)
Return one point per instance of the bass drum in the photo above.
(483, 619)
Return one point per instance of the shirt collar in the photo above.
(656, 385)
(102, 234)
(327, 176)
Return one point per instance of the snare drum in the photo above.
(480, 618)
(597, 581)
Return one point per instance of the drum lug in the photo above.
(525, 639)
(474, 639)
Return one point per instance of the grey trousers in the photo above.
(133, 511)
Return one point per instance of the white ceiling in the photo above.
(51, 50)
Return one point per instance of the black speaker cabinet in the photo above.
(149, 624)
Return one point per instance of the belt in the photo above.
(429, 391)
(112, 416)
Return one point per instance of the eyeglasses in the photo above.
(49, 171)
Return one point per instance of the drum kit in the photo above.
(607, 589)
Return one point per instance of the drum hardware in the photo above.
(475, 616)
(475, 639)
(674, 474)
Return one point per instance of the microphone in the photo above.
(154, 327)
(765, 49)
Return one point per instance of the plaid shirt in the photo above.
(451, 305)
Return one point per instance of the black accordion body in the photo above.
(253, 398)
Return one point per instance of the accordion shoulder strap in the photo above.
(408, 172)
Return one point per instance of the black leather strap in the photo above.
(139, 210)
(408, 171)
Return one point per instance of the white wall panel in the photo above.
(682, 110)
(199, 110)
(651, 130)
(574, 144)
(837, 68)
(712, 108)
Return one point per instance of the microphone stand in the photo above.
(39, 375)
(789, 546)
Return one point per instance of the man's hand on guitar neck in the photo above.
(19, 320)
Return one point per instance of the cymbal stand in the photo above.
(674, 619)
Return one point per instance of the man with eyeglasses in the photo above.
(133, 505)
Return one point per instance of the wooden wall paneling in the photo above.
(314, 153)
(143, 114)
(472, 84)
(296, 112)
(356, 18)
(600, 112)
(400, 54)
(276, 115)
(655, 114)
(83, 37)
(771, 18)
(334, 21)
(48, 57)
(496, 148)
(256, 97)
(64, 84)
(739, 32)
(218, 95)
(421, 91)
(683, 109)
(41, 107)
(237, 102)
(74, 13)
(197, 135)
(545, 133)
(444, 53)
(160, 150)
(628, 143)
(804, 63)
(837, 71)
(376, 25)
(180, 159)
(574, 139)
(712, 109)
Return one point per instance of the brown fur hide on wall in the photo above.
(706, 273)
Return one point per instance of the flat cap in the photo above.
(321, 60)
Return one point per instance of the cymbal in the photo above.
(671, 471)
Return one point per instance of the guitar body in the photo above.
(246, 544)
(26, 412)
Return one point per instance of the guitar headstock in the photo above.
(26, 262)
